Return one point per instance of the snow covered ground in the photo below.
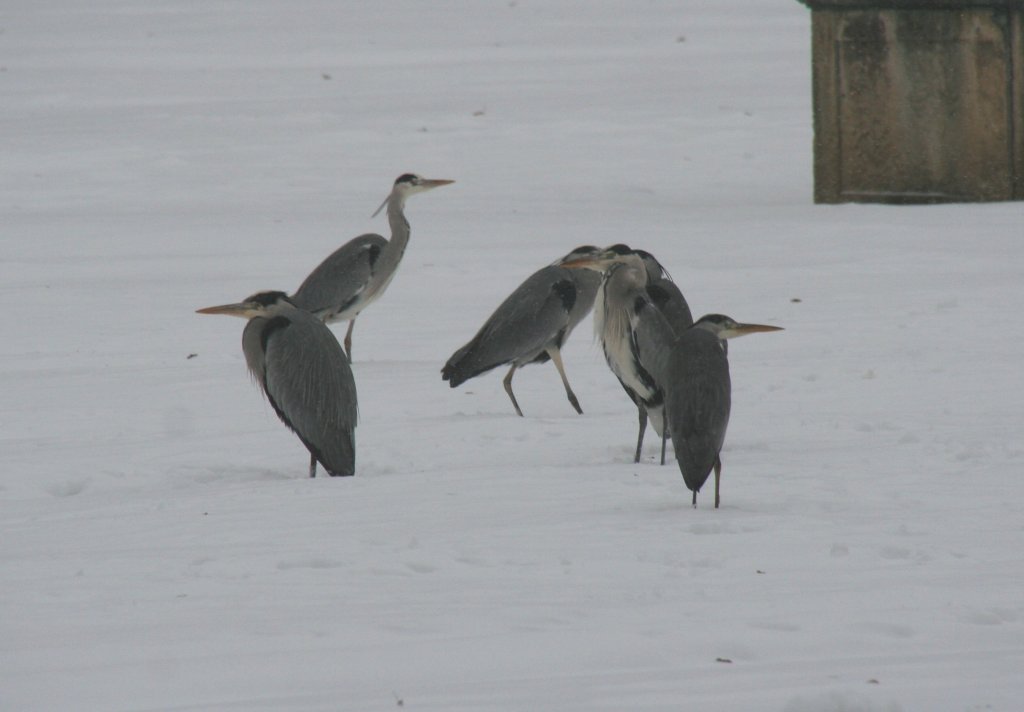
(160, 546)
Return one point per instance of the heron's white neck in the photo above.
(391, 255)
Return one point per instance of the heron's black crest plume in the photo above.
(266, 299)
(407, 178)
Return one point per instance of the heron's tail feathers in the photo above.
(338, 456)
(464, 365)
(695, 462)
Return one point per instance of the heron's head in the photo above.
(583, 252)
(259, 304)
(410, 184)
(603, 260)
(725, 327)
(655, 270)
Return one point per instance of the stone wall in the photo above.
(918, 100)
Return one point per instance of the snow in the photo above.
(160, 545)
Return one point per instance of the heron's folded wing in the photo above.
(310, 383)
(336, 283)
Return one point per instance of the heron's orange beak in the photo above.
(744, 329)
(241, 309)
(435, 183)
(599, 264)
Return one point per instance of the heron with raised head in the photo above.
(357, 273)
(692, 370)
(531, 325)
(302, 370)
(629, 274)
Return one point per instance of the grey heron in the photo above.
(531, 325)
(629, 274)
(358, 272)
(692, 371)
(302, 370)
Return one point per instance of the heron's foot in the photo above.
(512, 397)
(575, 403)
(718, 475)
(507, 382)
(642, 416)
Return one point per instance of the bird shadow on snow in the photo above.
(230, 473)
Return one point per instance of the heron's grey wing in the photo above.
(529, 320)
(669, 300)
(332, 289)
(587, 282)
(309, 382)
(697, 403)
(653, 339)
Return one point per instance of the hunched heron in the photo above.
(302, 370)
(629, 273)
(692, 371)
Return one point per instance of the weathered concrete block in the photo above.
(918, 101)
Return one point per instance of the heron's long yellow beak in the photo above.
(744, 329)
(599, 262)
(435, 183)
(595, 263)
(241, 309)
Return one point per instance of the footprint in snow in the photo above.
(68, 488)
(308, 564)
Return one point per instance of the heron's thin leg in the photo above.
(718, 477)
(642, 414)
(348, 339)
(508, 389)
(312, 465)
(695, 499)
(664, 439)
(556, 358)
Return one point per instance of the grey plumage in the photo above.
(304, 373)
(630, 274)
(678, 374)
(357, 273)
(692, 371)
(530, 326)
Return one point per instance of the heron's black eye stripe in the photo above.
(265, 299)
